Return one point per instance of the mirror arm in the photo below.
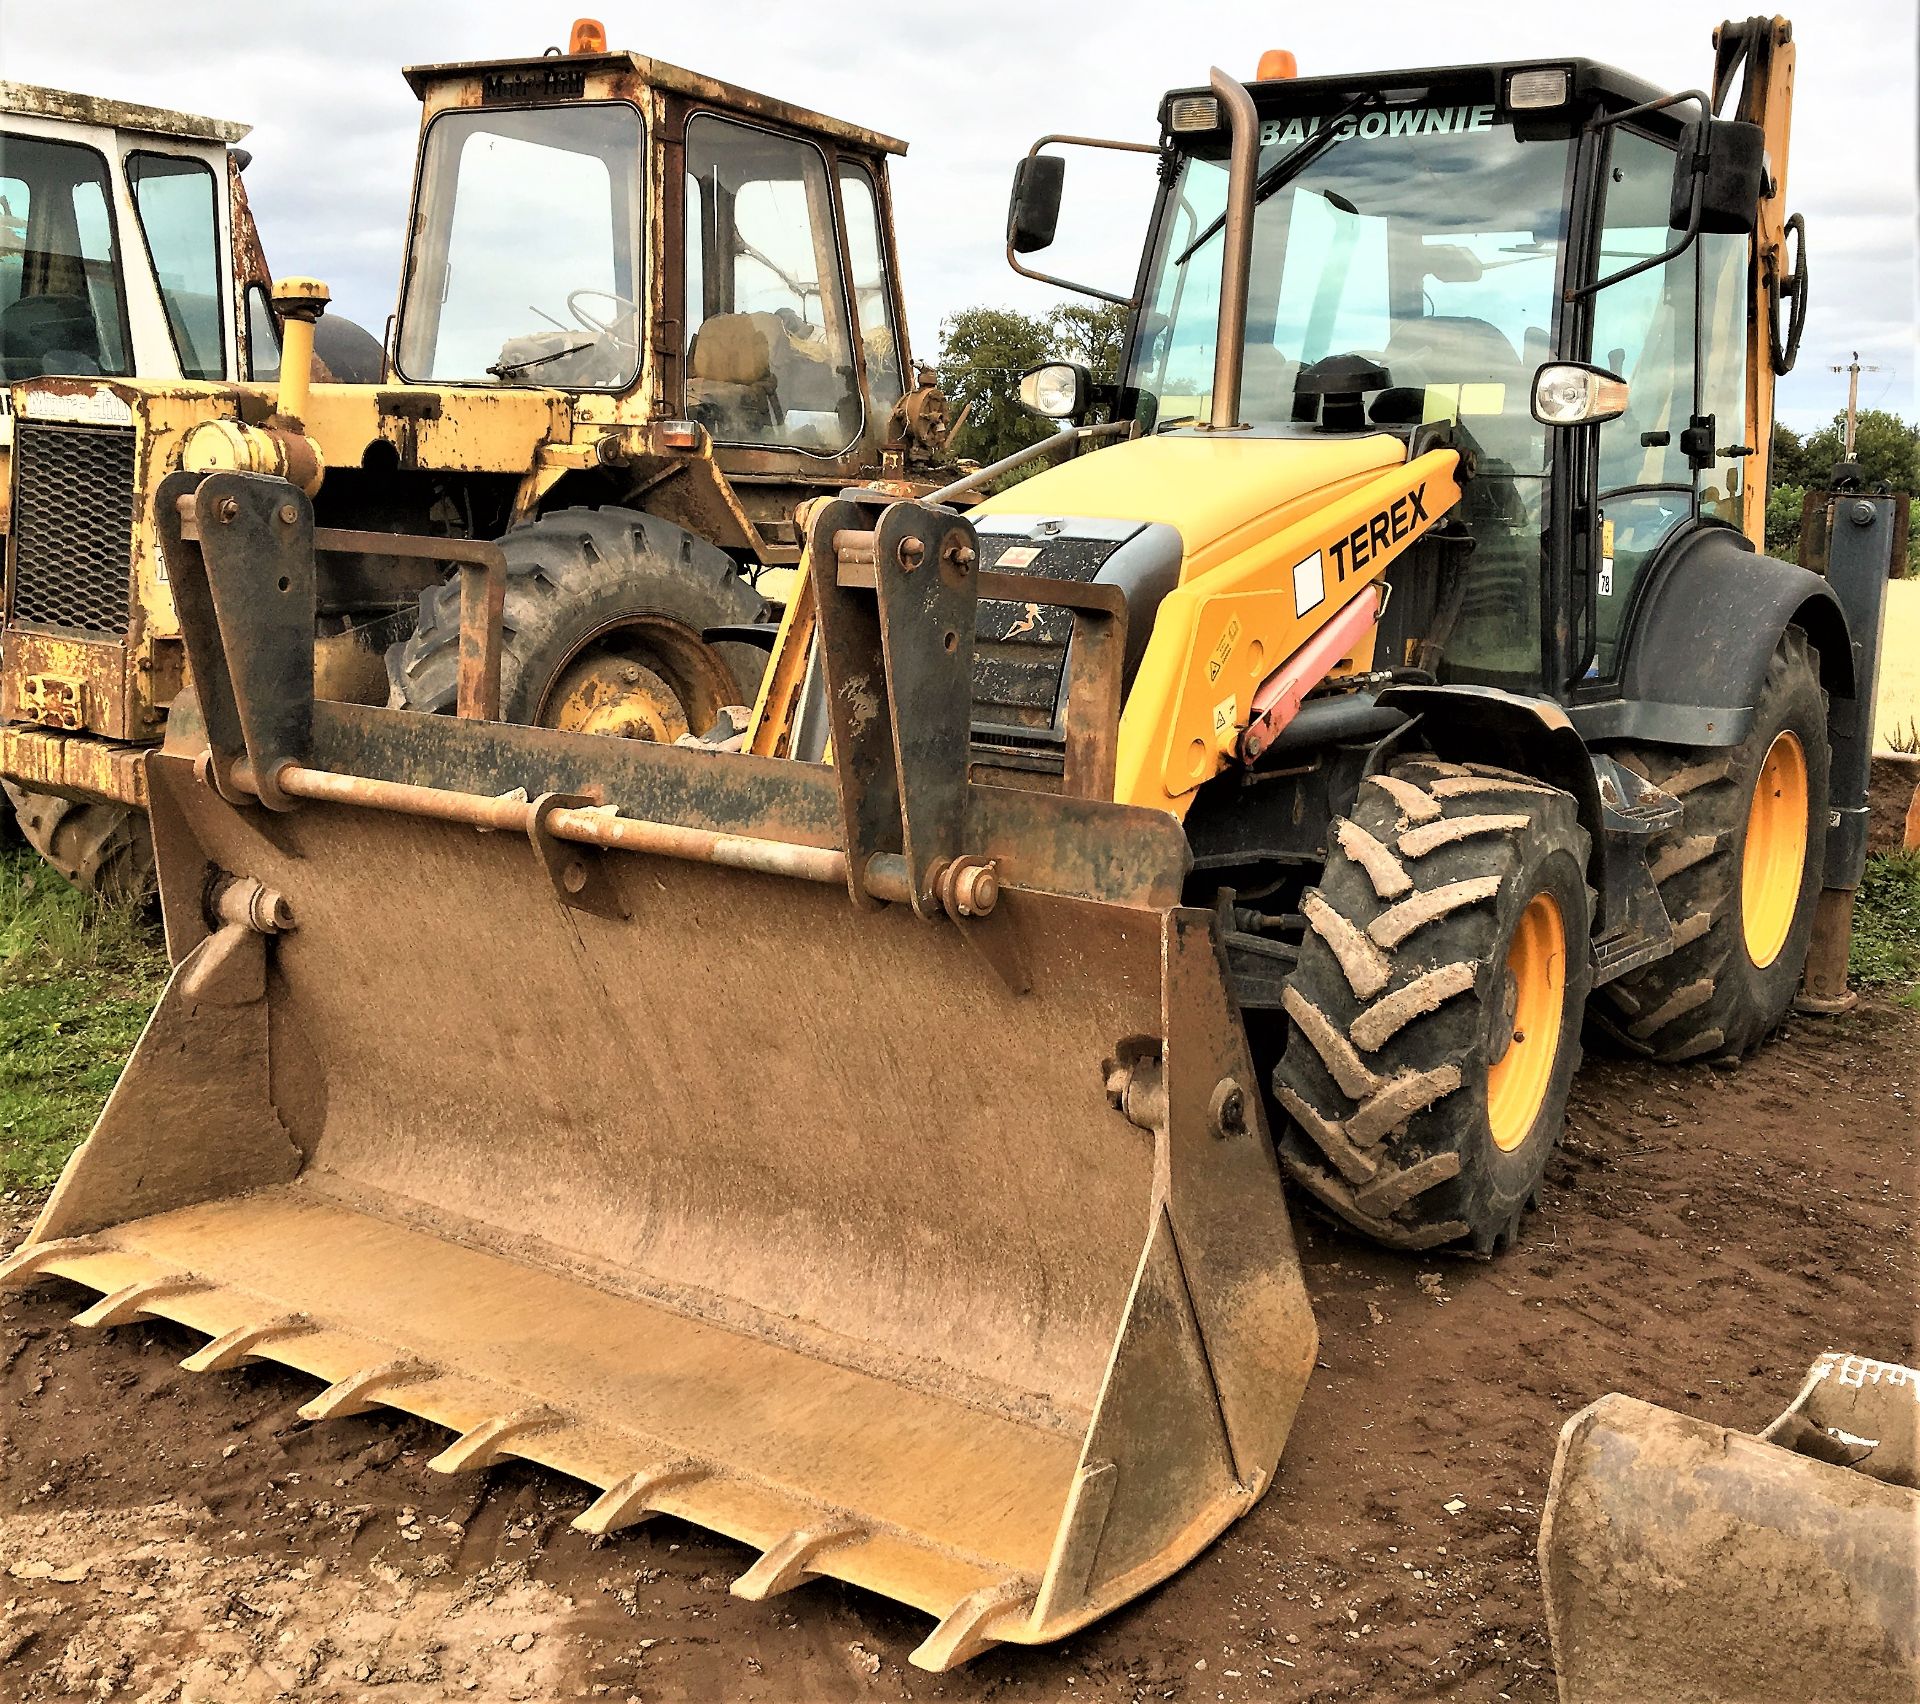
(1583, 291)
(1025, 271)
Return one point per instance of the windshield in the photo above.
(1425, 238)
(60, 307)
(526, 256)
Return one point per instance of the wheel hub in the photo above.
(1775, 855)
(603, 693)
(1531, 1007)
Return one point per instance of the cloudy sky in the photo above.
(971, 86)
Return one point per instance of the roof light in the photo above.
(1570, 393)
(1194, 112)
(1276, 65)
(589, 36)
(1531, 91)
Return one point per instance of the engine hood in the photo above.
(1219, 491)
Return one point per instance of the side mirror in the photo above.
(1728, 158)
(1033, 212)
(1575, 393)
(1058, 391)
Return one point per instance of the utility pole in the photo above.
(1853, 370)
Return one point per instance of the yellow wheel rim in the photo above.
(1537, 990)
(1775, 858)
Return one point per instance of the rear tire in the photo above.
(586, 581)
(1712, 998)
(102, 847)
(1453, 910)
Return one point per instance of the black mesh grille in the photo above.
(72, 526)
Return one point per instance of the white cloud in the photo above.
(971, 86)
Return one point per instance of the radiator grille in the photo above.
(73, 526)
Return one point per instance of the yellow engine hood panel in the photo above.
(1221, 491)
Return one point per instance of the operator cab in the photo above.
(86, 182)
(752, 263)
(1431, 252)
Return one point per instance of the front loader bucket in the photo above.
(1694, 1565)
(932, 1241)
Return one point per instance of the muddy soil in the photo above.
(1703, 1235)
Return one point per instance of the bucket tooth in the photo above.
(972, 1625)
(359, 1392)
(132, 1300)
(629, 1501)
(240, 1344)
(487, 1442)
(26, 1264)
(788, 1562)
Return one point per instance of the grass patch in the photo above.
(1886, 925)
(77, 980)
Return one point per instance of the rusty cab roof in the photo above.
(33, 101)
(560, 77)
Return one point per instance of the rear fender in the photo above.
(1701, 636)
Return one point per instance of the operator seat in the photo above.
(1451, 349)
(48, 334)
(731, 388)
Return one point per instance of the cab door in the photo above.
(1677, 334)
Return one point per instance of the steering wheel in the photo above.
(627, 313)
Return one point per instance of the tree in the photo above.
(1096, 337)
(983, 352)
(1885, 446)
(1783, 521)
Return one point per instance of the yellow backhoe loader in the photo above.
(642, 314)
(875, 1160)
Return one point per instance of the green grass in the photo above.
(77, 980)
(1886, 926)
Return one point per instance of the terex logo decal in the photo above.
(1398, 520)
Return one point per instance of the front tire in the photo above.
(1740, 875)
(103, 847)
(1434, 1014)
(602, 630)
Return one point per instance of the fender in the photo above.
(1705, 624)
(1532, 736)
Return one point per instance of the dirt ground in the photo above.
(166, 1537)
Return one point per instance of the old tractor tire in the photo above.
(1740, 875)
(602, 629)
(102, 847)
(1434, 1014)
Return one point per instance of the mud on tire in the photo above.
(101, 847)
(1401, 1001)
(574, 574)
(1708, 999)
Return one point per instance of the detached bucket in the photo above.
(1690, 1564)
(727, 1197)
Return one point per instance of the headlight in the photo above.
(1574, 394)
(1058, 390)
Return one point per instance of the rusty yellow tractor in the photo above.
(643, 314)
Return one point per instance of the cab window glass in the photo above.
(769, 357)
(526, 266)
(1643, 329)
(263, 336)
(61, 308)
(872, 296)
(175, 199)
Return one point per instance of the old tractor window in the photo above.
(263, 337)
(61, 306)
(174, 198)
(872, 289)
(526, 259)
(1424, 241)
(769, 357)
(1643, 329)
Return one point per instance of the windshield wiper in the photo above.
(1286, 168)
(506, 369)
